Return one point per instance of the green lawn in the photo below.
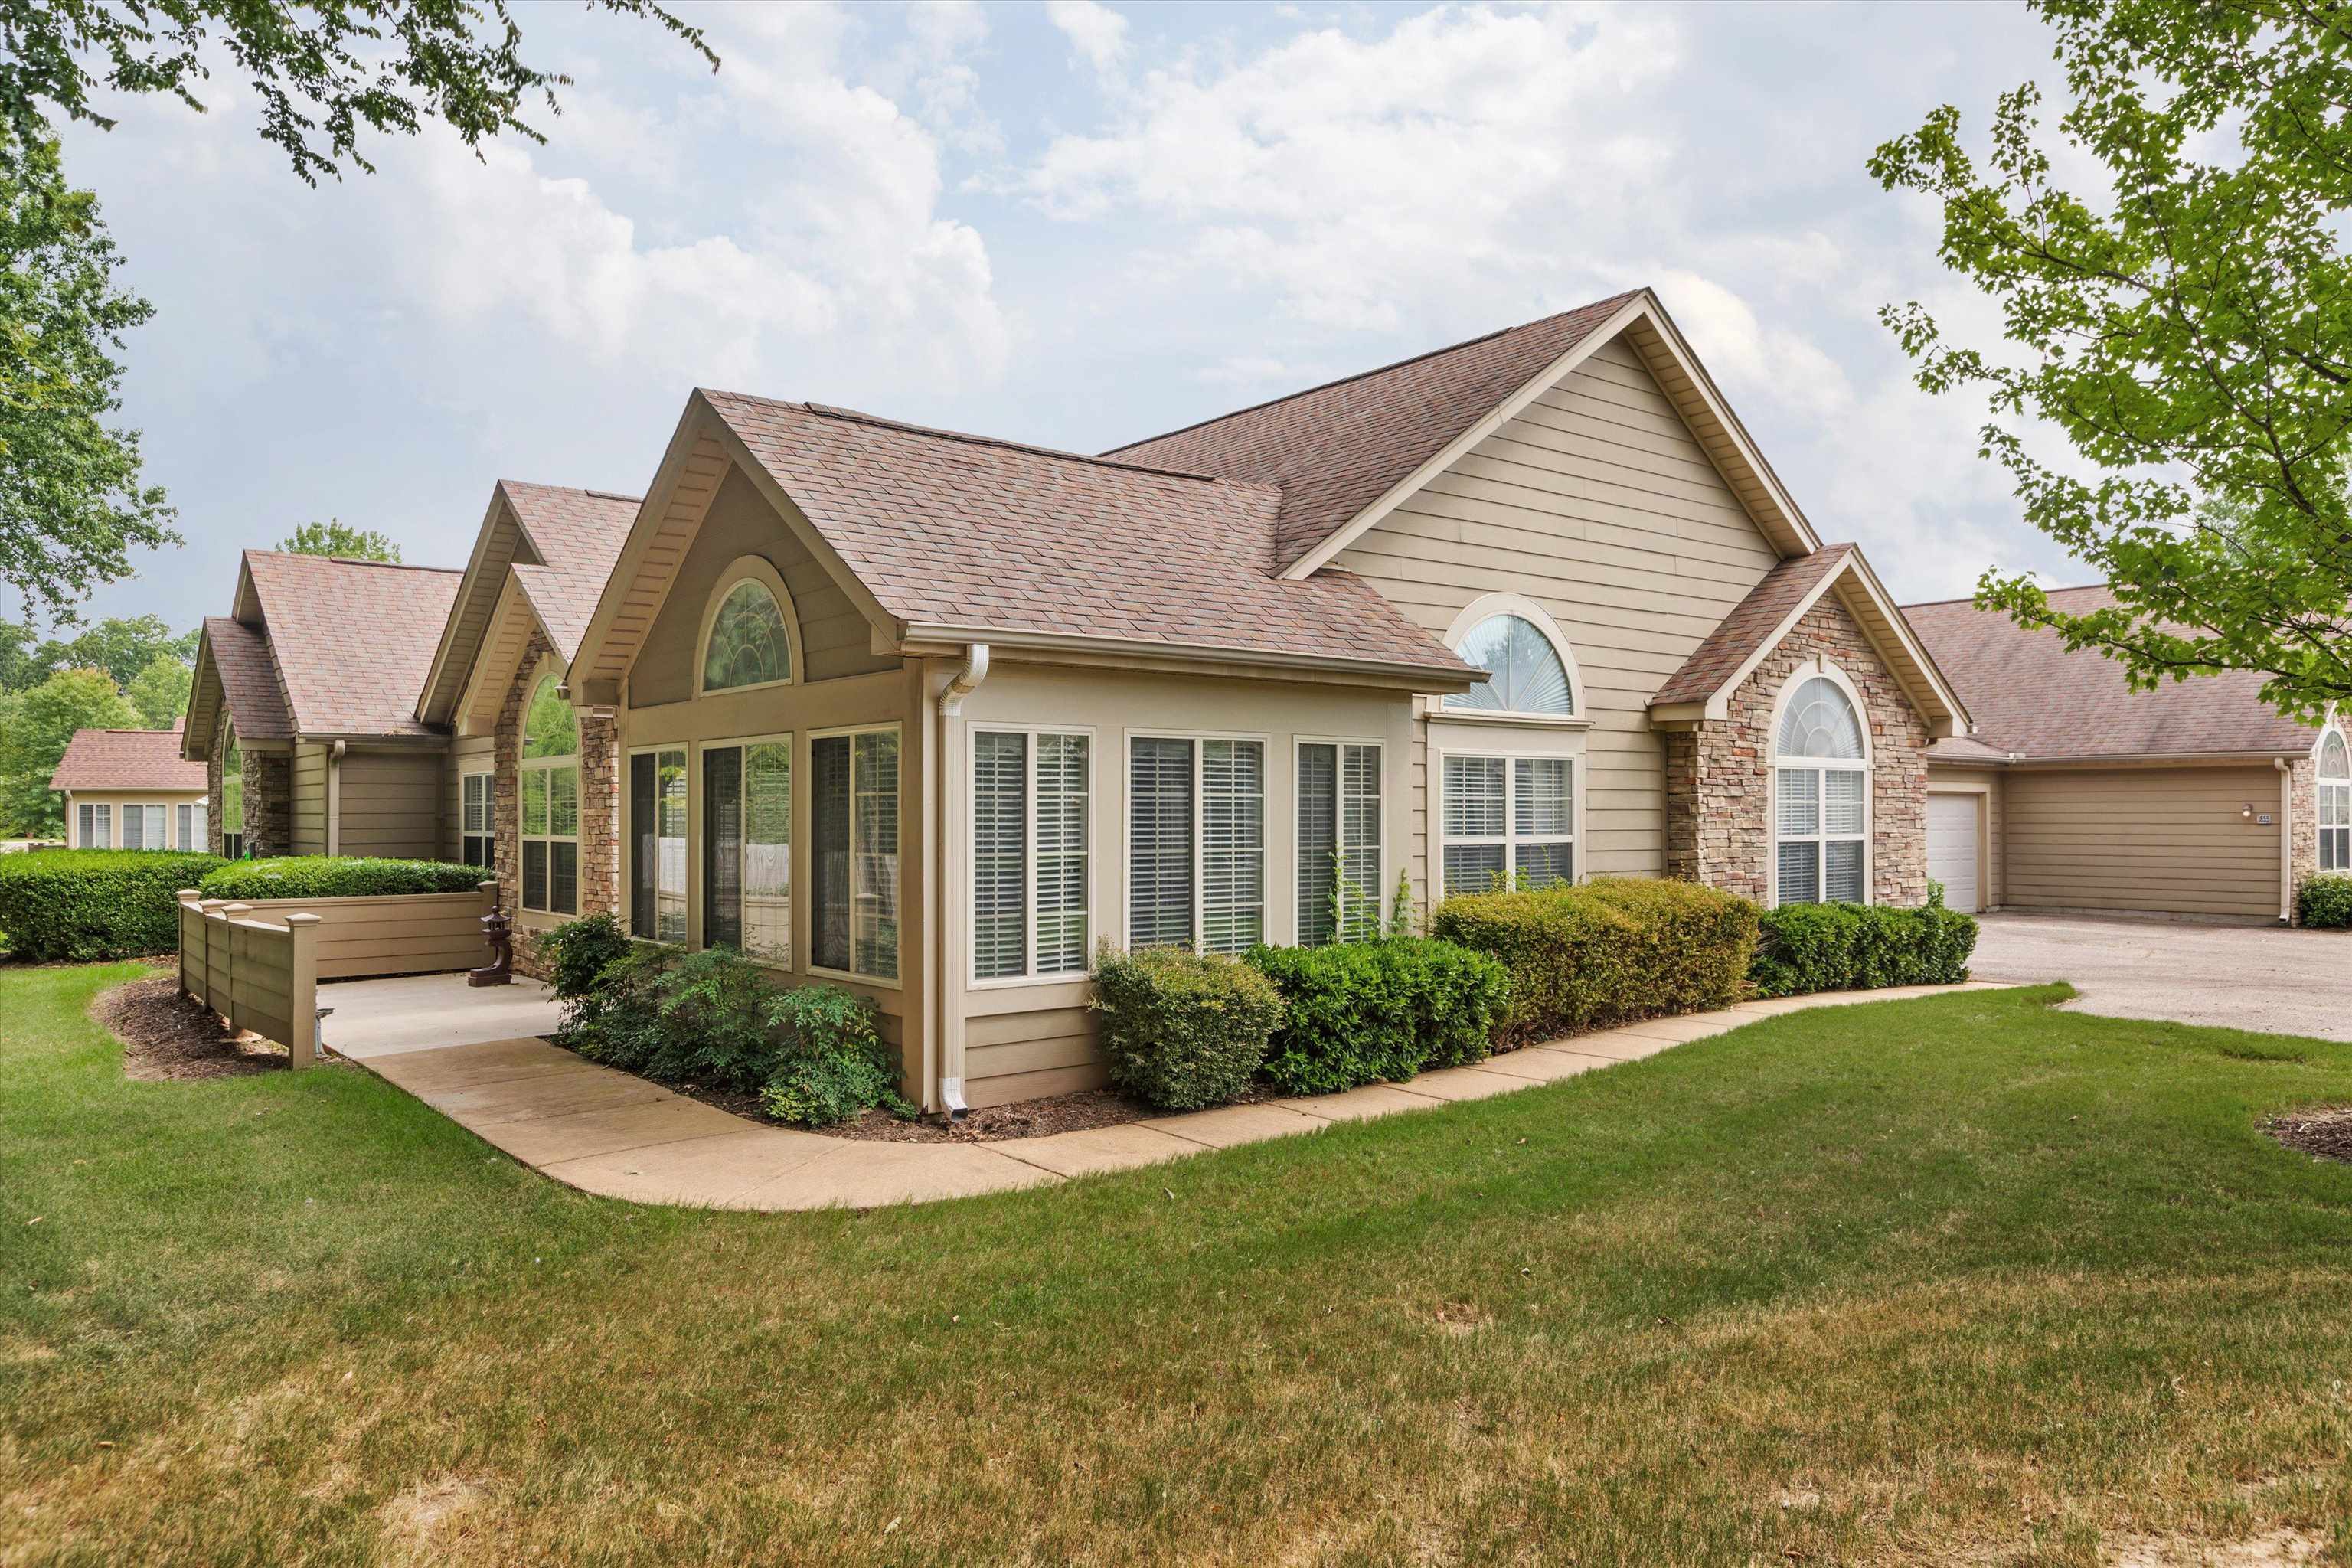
(1964, 1280)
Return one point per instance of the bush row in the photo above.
(1858, 947)
(85, 906)
(714, 1019)
(337, 877)
(2325, 903)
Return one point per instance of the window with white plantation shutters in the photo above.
(1159, 880)
(2335, 803)
(1338, 843)
(184, 821)
(134, 828)
(853, 820)
(1029, 855)
(1508, 822)
(474, 820)
(1196, 843)
(1820, 783)
(1233, 844)
(95, 828)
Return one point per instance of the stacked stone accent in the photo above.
(215, 828)
(600, 806)
(268, 802)
(1718, 776)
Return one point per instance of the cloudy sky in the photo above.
(1069, 223)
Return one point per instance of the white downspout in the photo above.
(949, 1012)
(2286, 839)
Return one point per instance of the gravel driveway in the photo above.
(2245, 977)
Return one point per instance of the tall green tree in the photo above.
(159, 692)
(43, 721)
(2184, 321)
(120, 646)
(335, 537)
(73, 505)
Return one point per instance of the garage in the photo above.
(1955, 848)
(2178, 841)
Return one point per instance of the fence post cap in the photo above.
(212, 903)
(302, 918)
(189, 893)
(234, 908)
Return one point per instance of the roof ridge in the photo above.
(574, 490)
(859, 417)
(1383, 369)
(357, 561)
(1971, 598)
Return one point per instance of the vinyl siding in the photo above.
(391, 804)
(1596, 503)
(2161, 840)
(310, 804)
(835, 637)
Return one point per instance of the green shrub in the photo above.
(1857, 947)
(1182, 1030)
(1362, 1013)
(1605, 953)
(81, 905)
(713, 1027)
(2325, 903)
(578, 951)
(833, 1065)
(337, 877)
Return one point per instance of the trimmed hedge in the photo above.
(1861, 947)
(82, 906)
(2325, 903)
(1606, 953)
(338, 877)
(1360, 1013)
(1182, 1030)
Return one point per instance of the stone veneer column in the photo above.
(1718, 776)
(2302, 832)
(268, 802)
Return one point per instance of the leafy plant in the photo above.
(1400, 912)
(1860, 947)
(339, 877)
(1378, 1012)
(80, 906)
(1182, 1030)
(833, 1065)
(2325, 903)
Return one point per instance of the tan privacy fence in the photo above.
(258, 964)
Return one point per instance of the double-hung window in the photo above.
(1339, 842)
(2335, 803)
(1508, 822)
(747, 848)
(1196, 843)
(550, 803)
(1030, 866)
(1820, 783)
(657, 845)
(95, 826)
(854, 822)
(475, 826)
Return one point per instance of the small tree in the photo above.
(335, 537)
(36, 735)
(159, 692)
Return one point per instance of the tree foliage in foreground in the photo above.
(2188, 329)
(335, 537)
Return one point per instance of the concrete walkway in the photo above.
(620, 1136)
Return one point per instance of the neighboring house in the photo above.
(931, 715)
(131, 789)
(2078, 792)
(302, 709)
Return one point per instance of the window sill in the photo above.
(847, 978)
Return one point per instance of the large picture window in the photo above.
(1196, 843)
(1820, 784)
(1029, 864)
(657, 845)
(146, 828)
(747, 848)
(853, 820)
(1339, 842)
(1508, 822)
(550, 825)
(474, 825)
(2335, 803)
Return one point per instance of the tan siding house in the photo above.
(131, 789)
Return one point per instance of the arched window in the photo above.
(548, 829)
(1525, 672)
(1821, 793)
(2335, 803)
(748, 642)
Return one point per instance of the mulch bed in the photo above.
(2325, 1132)
(166, 1036)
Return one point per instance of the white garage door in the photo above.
(1952, 847)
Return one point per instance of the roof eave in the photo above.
(1433, 678)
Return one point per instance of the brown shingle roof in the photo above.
(126, 759)
(578, 535)
(248, 675)
(352, 640)
(2029, 695)
(1334, 449)
(1741, 633)
(955, 530)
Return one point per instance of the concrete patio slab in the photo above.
(1091, 1149)
(422, 1011)
(1231, 1124)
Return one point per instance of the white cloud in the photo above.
(1096, 31)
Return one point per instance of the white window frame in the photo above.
(698, 825)
(489, 833)
(90, 818)
(2335, 836)
(524, 767)
(1510, 837)
(1199, 798)
(629, 842)
(1033, 975)
(747, 569)
(1380, 877)
(1821, 836)
(1477, 614)
(808, 766)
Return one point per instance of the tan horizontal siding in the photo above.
(2161, 840)
(391, 803)
(310, 802)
